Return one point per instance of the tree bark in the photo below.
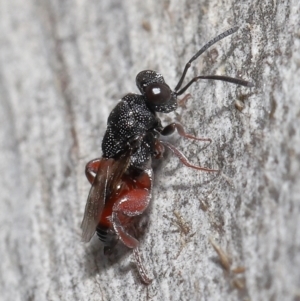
(63, 67)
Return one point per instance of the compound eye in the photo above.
(158, 93)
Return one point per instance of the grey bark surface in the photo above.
(63, 67)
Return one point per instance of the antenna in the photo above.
(214, 77)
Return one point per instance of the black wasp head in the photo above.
(159, 96)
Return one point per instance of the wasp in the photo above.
(122, 178)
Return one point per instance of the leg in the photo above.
(140, 267)
(183, 158)
(132, 202)
(170, 129)
(182, 102)
(159, 149)
(91, 169)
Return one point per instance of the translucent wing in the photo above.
(107, 179)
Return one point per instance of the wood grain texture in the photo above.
(63, 66)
